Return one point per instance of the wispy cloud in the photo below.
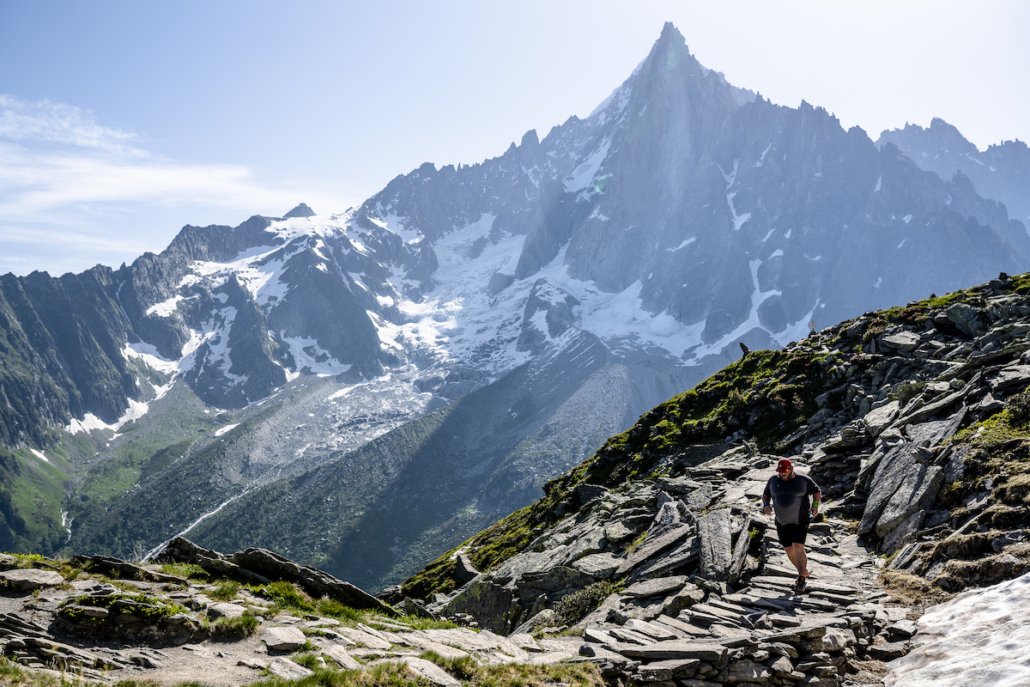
(68, 183)
(49, 122)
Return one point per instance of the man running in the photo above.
(789, 494)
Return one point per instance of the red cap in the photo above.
(784, 464)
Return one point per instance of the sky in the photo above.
(121, 121)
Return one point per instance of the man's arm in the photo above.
(766, 499)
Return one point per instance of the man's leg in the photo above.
(800, 560)
(792, 556)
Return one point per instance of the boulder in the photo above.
(902, 341)
(599, 565)
(488, 603)
(225, 610)
(283, 638)
(426, 670)
(878, 419)
(916, 492)
(340, 655)
(835, 639)
(27, 580)
(1008, 378)
(747, 671)
(653, 545)
(464, 570)
(659, 671)
(966, 319)
(287, 669)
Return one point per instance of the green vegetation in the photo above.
(13, 675)
(225, 591)
(286, 596)
(471, 672)
(382, 675)
(188, 571)
(575, 606)
(234, 629)
(31, 494)
(142, 605)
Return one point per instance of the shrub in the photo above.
(234, 629)
(286, 595)
(575, 606)
(226, 591)
(1019, 409)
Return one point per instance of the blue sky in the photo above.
(122, 121)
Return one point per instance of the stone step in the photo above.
(624, 635)
(685, 628)
(652, 630)
(675, 649)
(814, 583)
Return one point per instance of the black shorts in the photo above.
(792, 534)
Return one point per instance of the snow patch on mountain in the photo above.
(226, 429)
(583, 175)
(309, 357)
(977, 638)
(149, 356)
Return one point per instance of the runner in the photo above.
(787, 493)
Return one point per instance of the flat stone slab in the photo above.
(659, 586)
(716, 533)
(601, 565)
(283, 638)
(225, 610)
(427, 670)
(29, 579)
(287, 669)
(650, 629)
(653, 545)
(888, 652)
(903, 341)
(674, 649)
(660, 671)
(341, 656)
(363, 638)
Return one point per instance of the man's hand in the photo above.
(766, 510)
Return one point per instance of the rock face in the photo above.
(1002, 172)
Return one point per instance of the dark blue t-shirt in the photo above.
(790, 498)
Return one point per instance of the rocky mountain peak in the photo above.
(301, 210)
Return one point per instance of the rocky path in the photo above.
(838, 632)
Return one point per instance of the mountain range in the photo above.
(364, 390)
